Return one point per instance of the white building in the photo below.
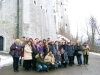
(31, 18)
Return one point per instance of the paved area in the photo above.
(92, 69)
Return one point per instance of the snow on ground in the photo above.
(5, 60)
(95, 53)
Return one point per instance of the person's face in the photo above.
(62, 50)
(56, 43)
(85, 44)
(69, 44)
(17, 42)
(58, 53)
(23, 39)
(50, 53)
(44, 41)
(37, 40)
(78, 43)
(41, 54)
(27, 39)
(29, 43)
(40, 43)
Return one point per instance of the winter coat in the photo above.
(70, 50)
(27, 52)
(56, 47)
(65, 57)
(78, 48)
(34, 51)
(17, 50)
(52, 48)
(49, 58)
(58, 58)
(39, 61)
(85, 50)
(40, 48)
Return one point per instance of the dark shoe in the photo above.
(65, 66)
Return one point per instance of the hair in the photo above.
(29, 41)
(40, 53)
(23, 37)
(17, 40)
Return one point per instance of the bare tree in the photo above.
(92, 24)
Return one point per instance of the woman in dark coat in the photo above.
(17, 50)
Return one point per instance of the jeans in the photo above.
(15, 63)
(79, 59)
(41, 67)
(58, 64)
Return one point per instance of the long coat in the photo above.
(27, 52)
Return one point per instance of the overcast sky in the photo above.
(79, 12)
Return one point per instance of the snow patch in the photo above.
(95, 53)
(5, 60)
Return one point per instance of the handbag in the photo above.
(12, 52)
(80, 52)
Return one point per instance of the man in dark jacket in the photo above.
(78, 49)
(58, 59)
(64, 58)
(52, 48)
(70, 51)
(34, 53)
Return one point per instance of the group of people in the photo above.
(45, 54)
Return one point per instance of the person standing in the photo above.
(39, 46)
(70, 51)
(52, 47)
(34, 53)
(86, 53)
(46, 48)
(22, 52)
(78, 50)
(27, 55)
(17, 50)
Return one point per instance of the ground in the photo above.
(92, 69)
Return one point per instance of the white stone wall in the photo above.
(38, 19)
(7, 21)
(61, 14)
